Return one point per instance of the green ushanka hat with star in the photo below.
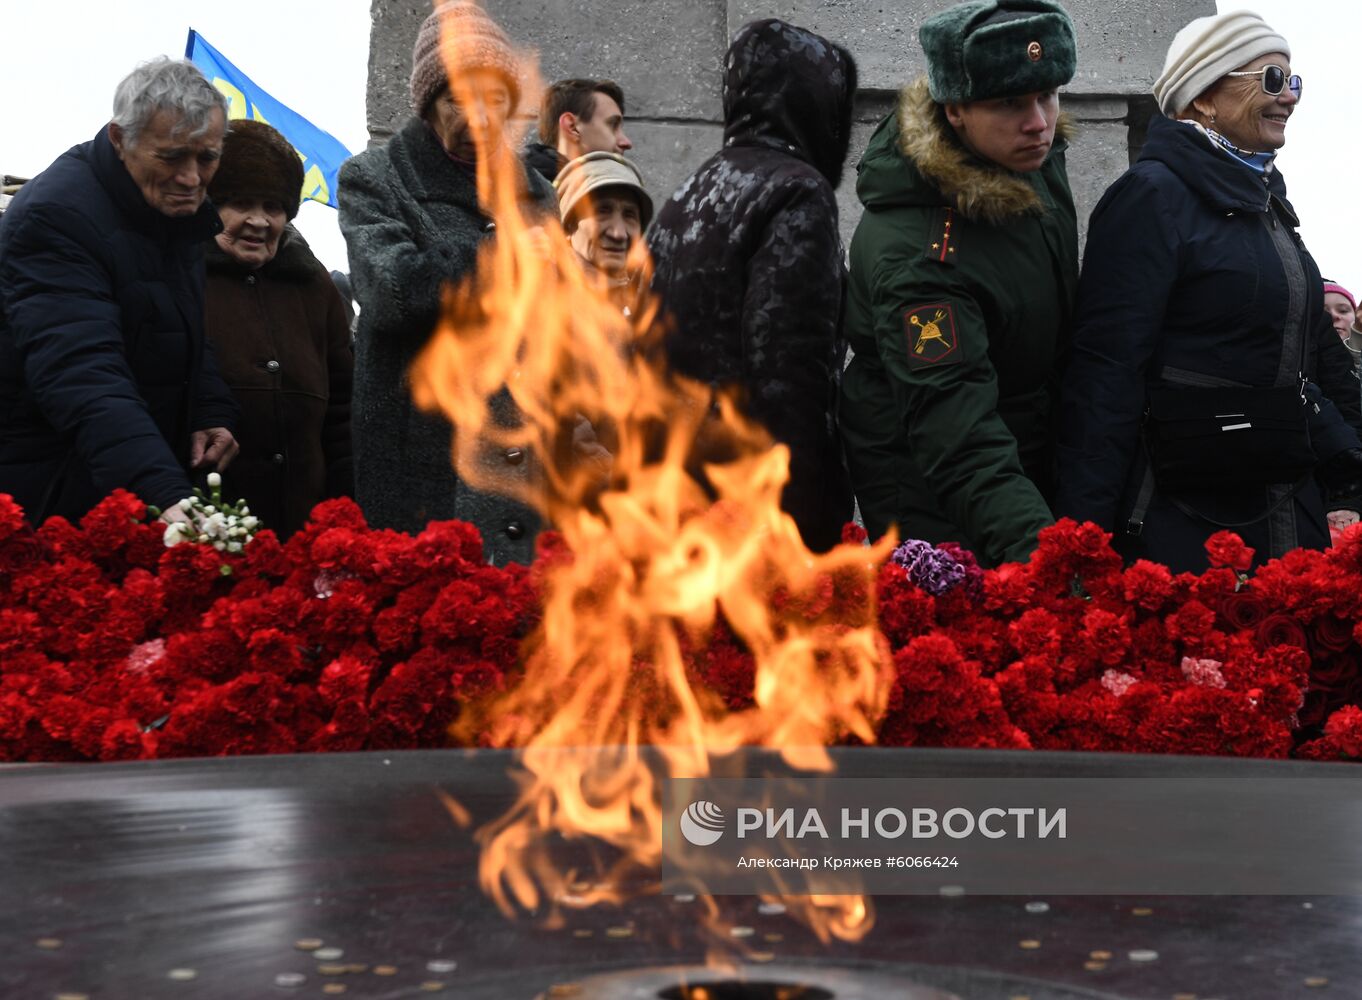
(998, 48)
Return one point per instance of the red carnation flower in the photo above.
(11, 516)
(1225, 548)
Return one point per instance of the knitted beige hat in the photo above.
(1208, 48)
(595, 171)
(475, 42)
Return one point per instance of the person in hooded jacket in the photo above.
(963, 270)
(1195, 279)
(748, 260)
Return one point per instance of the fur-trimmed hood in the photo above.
(914, 158)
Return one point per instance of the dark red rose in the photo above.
(21, 552)
(1333, 634)
(1243, 610)
(1280, 630)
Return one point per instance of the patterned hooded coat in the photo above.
(748, 261)
(963, 277)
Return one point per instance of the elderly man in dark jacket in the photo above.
(105, 377)
(749, 262)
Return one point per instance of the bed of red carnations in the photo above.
(114, 646)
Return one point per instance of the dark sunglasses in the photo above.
(1274, 78)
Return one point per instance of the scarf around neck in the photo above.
(1258, 162)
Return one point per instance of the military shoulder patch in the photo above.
(931, 335)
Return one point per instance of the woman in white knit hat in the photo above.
(1201, 329)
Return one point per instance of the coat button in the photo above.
(250, 279)
(489, 226)
(277, 459)
(515, 530)
(271, 366)
(514, 456)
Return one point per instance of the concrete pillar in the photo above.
(668, 56)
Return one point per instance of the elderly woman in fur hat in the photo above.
(410, 215)
(281, 335)
(963, 271)
(1191, 404)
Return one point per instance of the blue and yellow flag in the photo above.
(321, 152)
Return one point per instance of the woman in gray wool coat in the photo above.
(410, 216)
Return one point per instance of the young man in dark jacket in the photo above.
(577, 117)
(963, 271)
(106, 380)
(748, 261)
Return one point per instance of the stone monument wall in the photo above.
(668, 57)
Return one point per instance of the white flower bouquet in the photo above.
(212, 521)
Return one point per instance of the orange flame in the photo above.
(656, 561)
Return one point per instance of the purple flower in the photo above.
(934, 571)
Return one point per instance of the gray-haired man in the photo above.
(106, 380)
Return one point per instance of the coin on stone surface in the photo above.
(1143, 955)
(583, 932)
(684, 897)
(619, 932)
(1141, 911)
(72, 996)
(951, 890)
(771, 909)
(182, 975)
(431, 986)
(1030, 944)
(1184, 996)
(48, 944)
(442, 965)
(357, 968)
(741, 932)
(774, 938)
(1094, 966)
(328, 954)
(1100, 956)
(565, 990)
(308, 944)
(762, 956)
(333, 988)
(332, 969)
(1036, 906)
(1316, 981)
(385, 970)
(290, 980)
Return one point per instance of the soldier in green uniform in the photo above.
(963, 272)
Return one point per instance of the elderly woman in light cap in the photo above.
(1190, 404)
(604, 209)
(410, 215)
